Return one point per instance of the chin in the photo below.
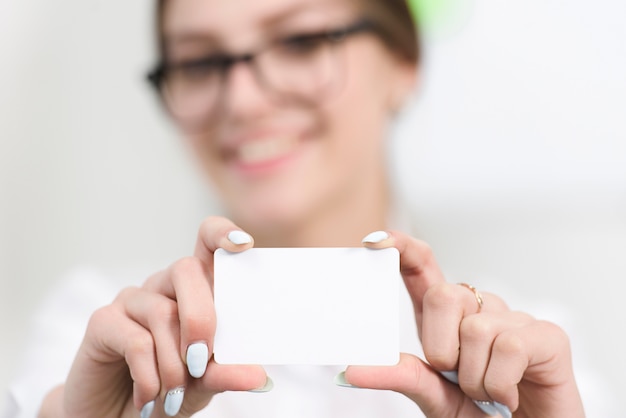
(270, 214)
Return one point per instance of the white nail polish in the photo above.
(503, 410)
(375, 237)
(239, 237)
(173, 401)
(197, 359)
(487, 407)
(147, 409)
(340, 380)
(269, 385)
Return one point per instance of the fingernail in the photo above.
(269, 385)
(197, 359)
(340, 380)
(503, 410)
(239, 237)
(173, 401)
(375, 237)
(487, 407)
(147, 409)
(452, 376)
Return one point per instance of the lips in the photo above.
(262, 154)
(265, 150)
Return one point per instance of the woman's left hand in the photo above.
(501, 355)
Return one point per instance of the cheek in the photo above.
(359, 119)
(207, 156)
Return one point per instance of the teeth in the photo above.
(256, 151)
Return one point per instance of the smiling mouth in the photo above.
(263, 151)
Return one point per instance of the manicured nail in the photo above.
(503, 410)
(452, 376)
(340, 380)
(197, 359)
(487, 407)
(147, 409)
(173, 401)
(239, 237)
(375, 237)
(269, 385)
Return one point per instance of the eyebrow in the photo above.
(188, 37)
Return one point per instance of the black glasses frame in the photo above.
(158, 74)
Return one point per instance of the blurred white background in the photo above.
(513, 155)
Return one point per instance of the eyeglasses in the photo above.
(303, 67)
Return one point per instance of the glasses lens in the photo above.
(191, 91)
(302, 66)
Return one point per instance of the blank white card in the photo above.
(315, 306)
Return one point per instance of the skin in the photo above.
(330, 189)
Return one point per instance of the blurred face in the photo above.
(278, 160)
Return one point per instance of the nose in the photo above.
(244, 96)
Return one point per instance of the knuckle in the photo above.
(440, 296)
(559, 336)
(425, 249)
(100, 317)
(208, 224)
(495, 302)
(140, 344)
(165, 311)
(553, 328)
(440, 360)
(441, 357)
(126, 294)
(426, 257)
(186, 267)
(521, 318)
(476, 328)
(211, 220)
(509, 344)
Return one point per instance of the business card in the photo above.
(313, 306)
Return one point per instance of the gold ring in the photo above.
(477, 295)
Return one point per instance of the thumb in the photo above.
(435, 396)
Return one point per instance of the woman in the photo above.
(286, 104)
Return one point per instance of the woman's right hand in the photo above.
(136, 353)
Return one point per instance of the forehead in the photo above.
(232, 20)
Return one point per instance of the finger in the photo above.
(478, 333)
(445, 306)
(218, 232)
(417, 264)
(220, 378)
(186, 282)
(118, 337)
(196, 313)
(159, 315)
(540, 354)
(412, 377)
(227, 377)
